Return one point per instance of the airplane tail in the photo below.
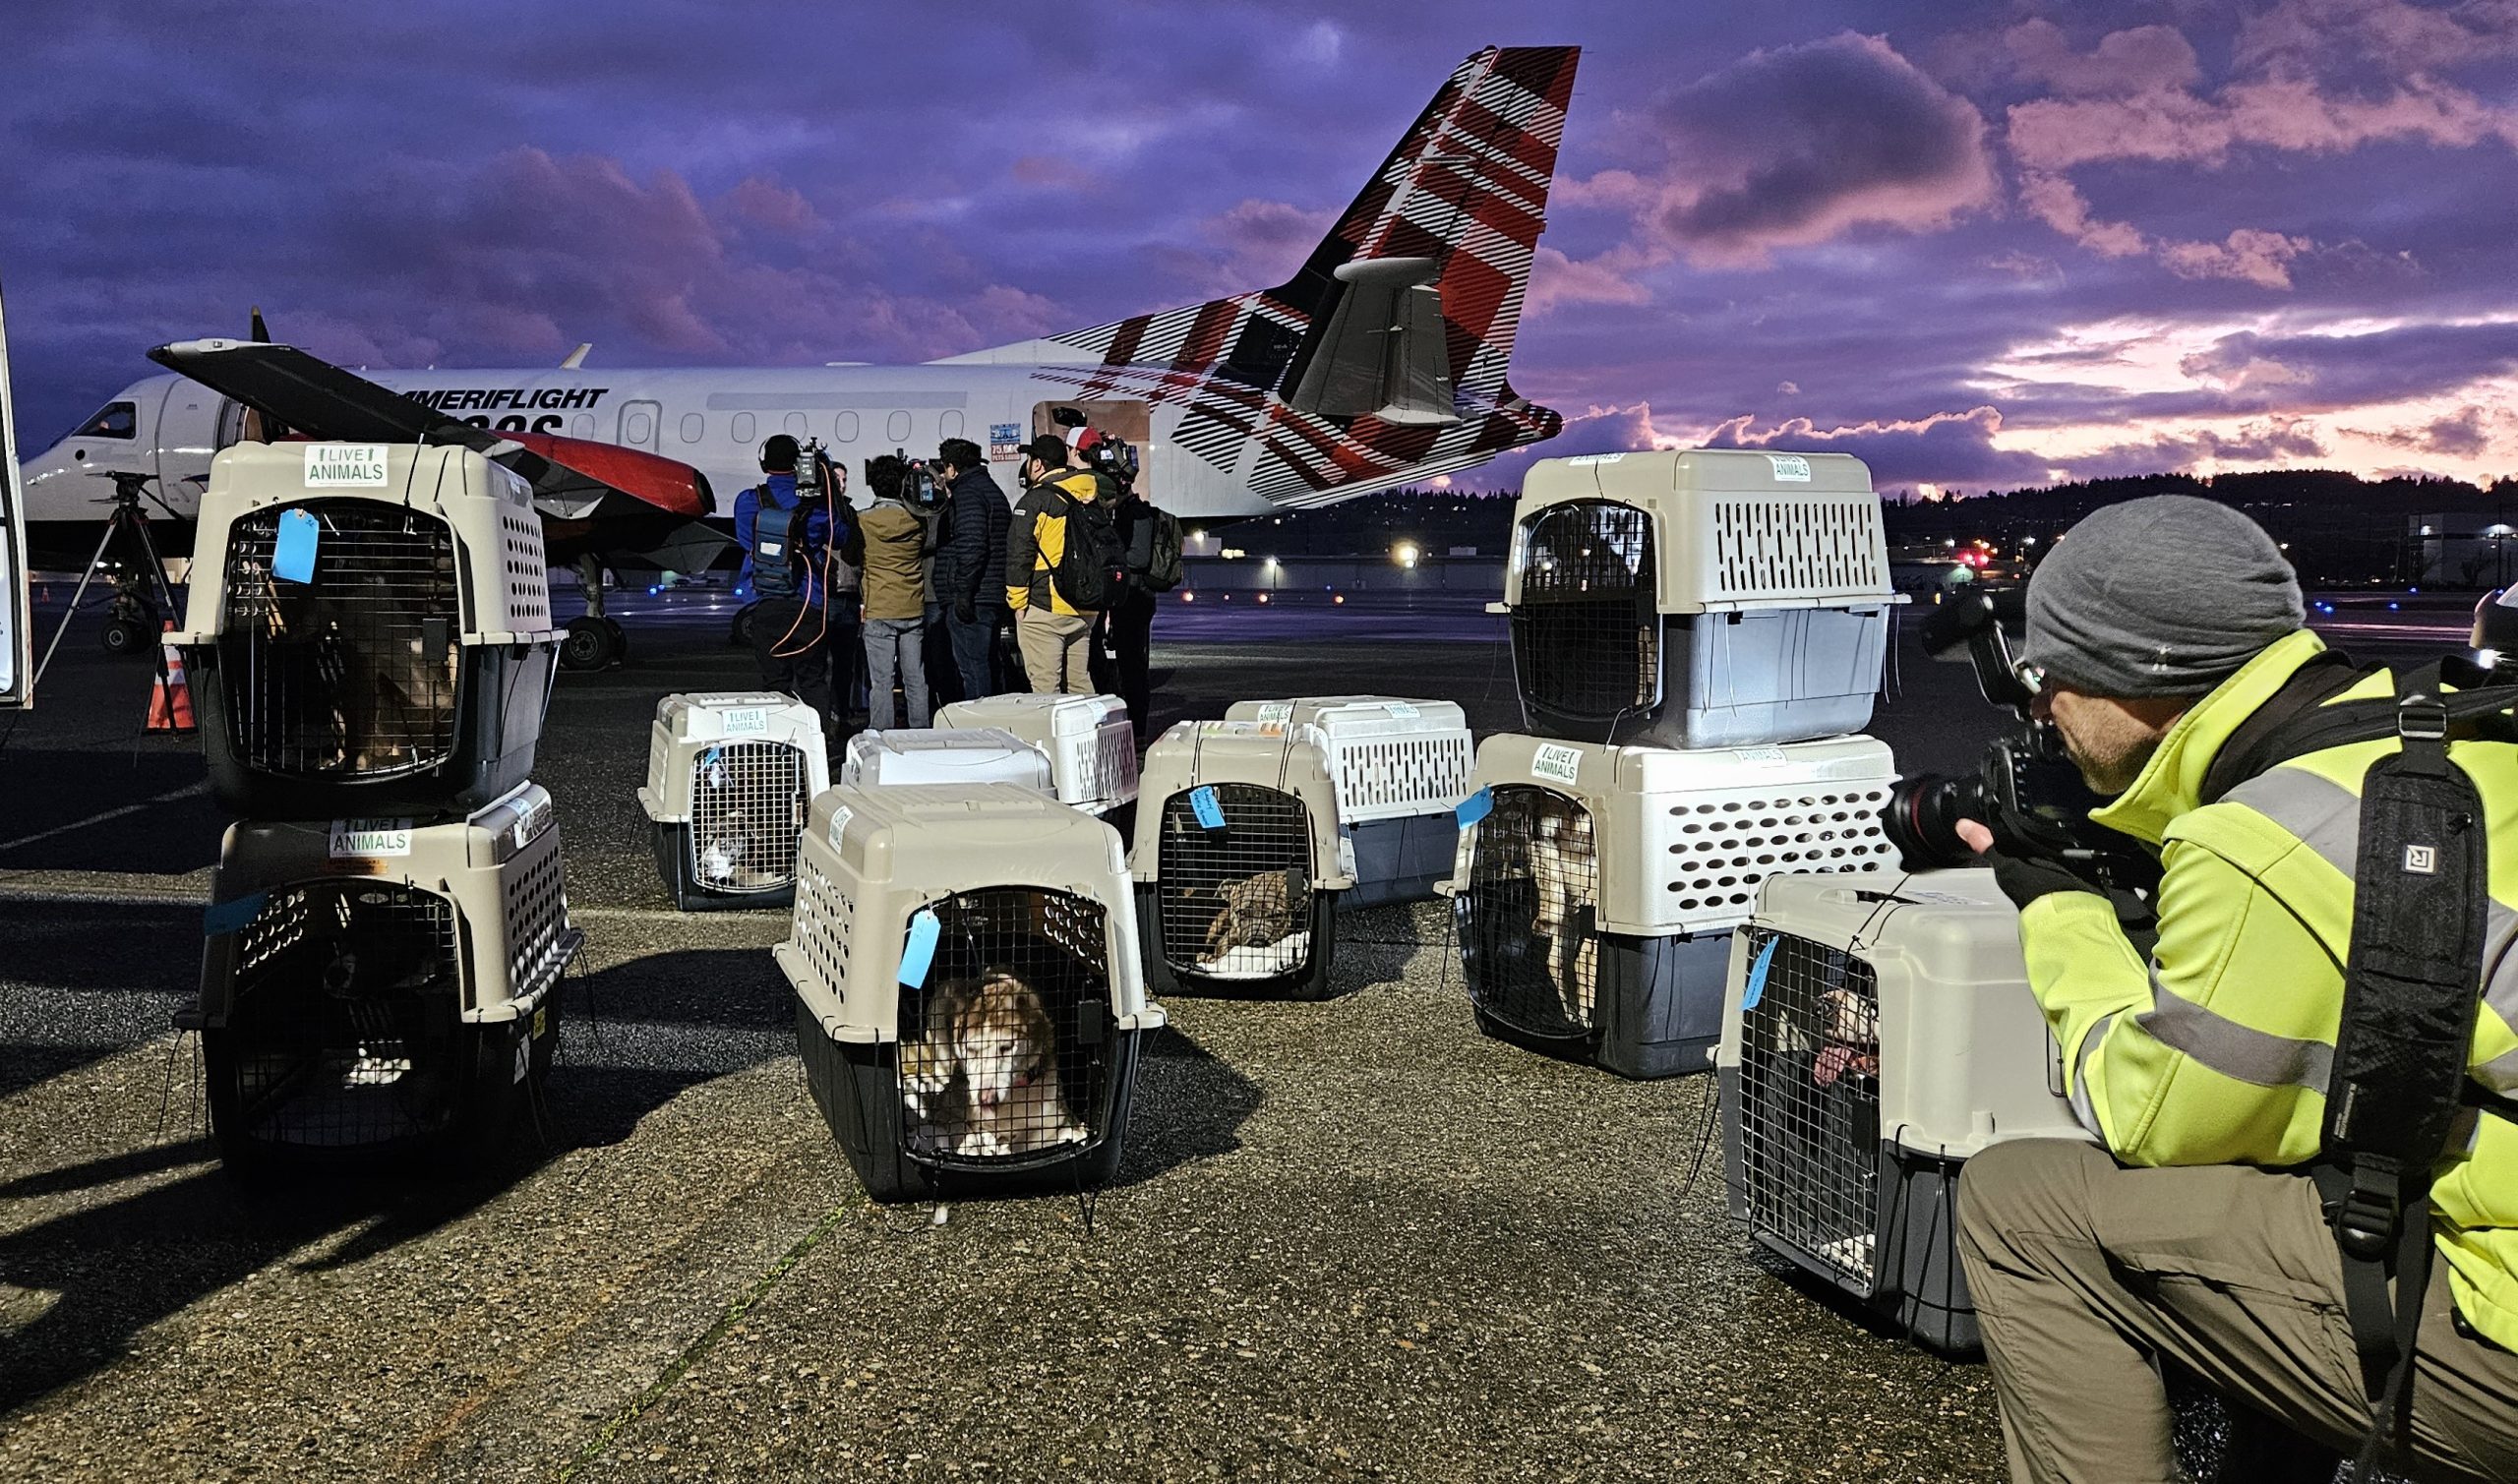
(1389, 349)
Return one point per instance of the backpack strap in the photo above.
(2303, 718)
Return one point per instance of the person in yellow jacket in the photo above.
(2189, 1231)
(1050, 631)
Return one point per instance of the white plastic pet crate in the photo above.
(1877, 1031)
(729, 778)
(968, 1000)
(1400, 767)
(1594, 885)
(945, 755)
(1239, 858)
(369, 629)
(1090, 745)
(1698, 598)
(378, 987)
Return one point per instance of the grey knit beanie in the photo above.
(2167, 595)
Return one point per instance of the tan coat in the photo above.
(895, 544)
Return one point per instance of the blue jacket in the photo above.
(758, 537)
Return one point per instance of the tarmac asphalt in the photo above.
(1352, 1240)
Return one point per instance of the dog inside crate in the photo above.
(1001, 1050)
(1237, 898)
(1588, 635)
(1534, 890)
(1810, 1100)
(345, 1019)
(747, 800)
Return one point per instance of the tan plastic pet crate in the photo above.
(729, 778)
(945, 755)
(369, 629)
(1090, 747)
(376, 988)
(1877, 1031)
(1402, 767)
(1595, 887)
(1239, 861)
(1698, 598)
(968, 1000)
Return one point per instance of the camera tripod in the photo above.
(137, 615)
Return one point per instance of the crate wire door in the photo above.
(1004, 1050)
(1810, 1107)
(355, 673)
(1528, 928)
(345, 1019)
(747, 801)
(1237, 901)
(1587, 633)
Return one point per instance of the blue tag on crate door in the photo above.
(917, 955)
(1474, 808)
(1210, 812)
(1756, 988)
(293, 554)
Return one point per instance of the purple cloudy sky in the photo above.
(1977, 242)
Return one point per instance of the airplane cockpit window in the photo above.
(118, 420)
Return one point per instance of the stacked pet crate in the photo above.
(371, 632)
(729, 778)
(1694, 634)
(968, 1001)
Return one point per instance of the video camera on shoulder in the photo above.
(1108, 455)
(2028, 790)
(921, 489)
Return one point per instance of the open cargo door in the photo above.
(16, 630)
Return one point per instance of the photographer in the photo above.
(786, 546)
(2169, 631)
(970, 565)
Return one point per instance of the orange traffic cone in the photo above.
(170, 699)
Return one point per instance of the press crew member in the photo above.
(2196, 1231)
(1127, 626)
(970, 567)
(1052, 629)
(895, 597)
(786, 544)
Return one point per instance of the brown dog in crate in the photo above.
(1564, 868)
(982, 1077)
(1254, 912)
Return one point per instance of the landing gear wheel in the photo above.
(124, 636)
(620, 638)
(590, 645)
(743, 626)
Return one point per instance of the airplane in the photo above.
(1383, 361)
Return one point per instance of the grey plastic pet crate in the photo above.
(968, 1000)
(1597, 887)
(1238, 860)
(1698, 598)
(375, 988)
(729, 778)
(1402, 767)
(1877, 1030)
(1091, 745)
(404, 668)
(945, 755)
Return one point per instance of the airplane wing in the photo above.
(573, 478)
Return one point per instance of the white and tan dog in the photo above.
(1564, 873)
(983, 1080)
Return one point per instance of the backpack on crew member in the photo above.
(1163, 573)
(1093, 570)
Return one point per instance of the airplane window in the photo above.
(582, 425)
(843, 427)
(118, 420)
(636, 429)
(795, 425)
(896, 427)
(744, 427)
(949, 424)
(692, 426)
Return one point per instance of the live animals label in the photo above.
(353, 839)
(749, 720)
(1564, 764)
(1790, 468)
(332, 466)
(1760, 757)
(840, 815)
(1275, 711)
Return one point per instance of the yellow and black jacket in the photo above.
(1037, 540)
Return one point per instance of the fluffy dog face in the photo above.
(1002, 1038)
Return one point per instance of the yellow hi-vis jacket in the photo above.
(1036, 542)
(2217, 1050)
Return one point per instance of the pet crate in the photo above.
(1239, 858)
(369, 631)
(1877, 1031)
(968, 1003)
(729, 778)
(1400, 767)
(1699, 598)
(945, 755)
(1595, 886)
(1090, 745)
(376, 988)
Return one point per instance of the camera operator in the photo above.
(969, 567)
(2169, 631)
(786, 546)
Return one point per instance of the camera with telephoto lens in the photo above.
(1108, 455)
(2027, 790)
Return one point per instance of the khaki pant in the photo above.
(1054, 651)
(2083, 1271)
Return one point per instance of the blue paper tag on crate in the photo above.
(917, 955)
(1756, 988)
(231, 916)
(293, 554)
(1210, 812)
(1474, 808)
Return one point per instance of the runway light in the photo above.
(1341, 598)
(2392, 607)
(1404, 554)
(1263, 597)
(1188, 597)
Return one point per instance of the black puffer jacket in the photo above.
(971, 562)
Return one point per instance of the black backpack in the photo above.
(1093, 570)
(1162, 570)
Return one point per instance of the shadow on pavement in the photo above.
(1189, 1105)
